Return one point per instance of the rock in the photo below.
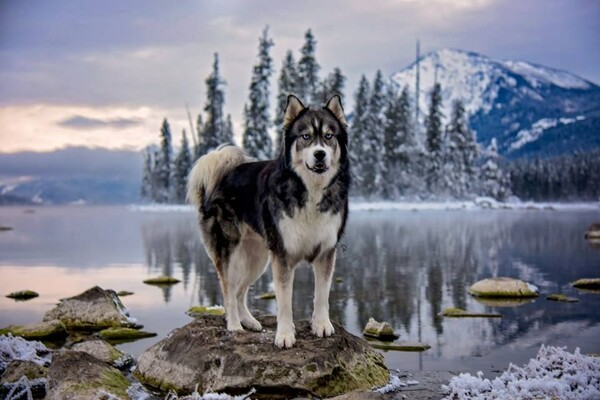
(47, 330)
(503, 287)
(124, 293)
(267, 296)
(6, 228)
(204, 354)
(197, 311)
(23, 295)
(379, 330)
(77, 375)
(562, 297)
(593, 232)
(21, 376)
(93, 309)
(503, 301)
(339, 279)
(123, 335)
(162, 280)
(399, 346)
(105, 352)
(18, 368)
(460, 313)
(587, 283)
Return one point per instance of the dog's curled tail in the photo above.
(208, 171)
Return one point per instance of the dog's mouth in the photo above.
(318, 167)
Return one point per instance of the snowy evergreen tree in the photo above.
(256, 139)
(373, 168)
(358, 133)
(399, 143)
(333, 84)
(162, 169)
(288, 78)
(181, 168)
(494, 182)
(201, 145)
(213, 132)
(228, 131)
(147, 190)
(308, 70)
(461, 153)
(434, 139)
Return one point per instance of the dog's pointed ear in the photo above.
(293, 108)
(335, 106)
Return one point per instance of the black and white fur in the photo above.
(289, 210)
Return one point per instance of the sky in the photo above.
(105, 73)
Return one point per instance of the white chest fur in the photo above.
(308, 229)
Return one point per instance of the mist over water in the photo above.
(402, 267)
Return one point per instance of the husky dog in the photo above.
(291, 209)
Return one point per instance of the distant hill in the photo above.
(530, 109)
(72, 175)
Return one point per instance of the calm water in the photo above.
(401, 267)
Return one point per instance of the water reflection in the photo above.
(407, 267)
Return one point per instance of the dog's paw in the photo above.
(322, 328)
(285, 338)
(234, 327)
(252, 324)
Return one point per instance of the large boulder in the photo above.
(105, 352)
(76, 375)
(503, 287)
(205, 355)
(93, 309)
(48, 330)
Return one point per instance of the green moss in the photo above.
(156, 383)
(339, 279)
(587, 283)
(124, 293)
(44, 330)
(562, 297)
(124, 334)
(267, 296)
(23, 295)
(111, 381)
(399, 346)
(162, 280)
(460, 313)
(204, 310)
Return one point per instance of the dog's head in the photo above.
(315, 140)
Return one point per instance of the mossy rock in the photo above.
(593, 232)
(100, 349)
(162, 280)
(460, 313)
(196, 311)
(18, 368)
(587, 283)
(339, 279)
(562, 298)
(399, 346)
(267, 296)
(379, 330)
(47, 330)
(23, 295)
(503, 287)
(12, 379)
(123, 335)
(507, 302)
(124, 293)
(6, 228)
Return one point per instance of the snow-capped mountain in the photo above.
(530, 109)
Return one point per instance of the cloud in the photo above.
(81, 122)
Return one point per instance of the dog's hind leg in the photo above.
(323, 268)
(283, 276)
(253, 257)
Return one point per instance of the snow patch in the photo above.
(554, 373)
(525, 136)
(210, 396)
(17, 348)
(536, 74)
(395, 384)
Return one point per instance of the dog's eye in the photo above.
(328, 136)
(306, 136)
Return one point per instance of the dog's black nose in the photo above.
(320, 155)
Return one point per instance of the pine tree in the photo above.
(494, 182)
(373, 170)
(146, 191)
(308, 70)
(358, 132)
(201, 145)
(461, 154)
(212, 133)
(434, 139)
(163, 165)
(333, 84)
(288, 78)
(228, 131)
(399, 143)
(181, 168)
(256, 139)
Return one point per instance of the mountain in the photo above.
(74, 175)
(530, 110)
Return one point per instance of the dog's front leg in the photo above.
(323, 268)
(283, 275)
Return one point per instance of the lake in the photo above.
(403, 267)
